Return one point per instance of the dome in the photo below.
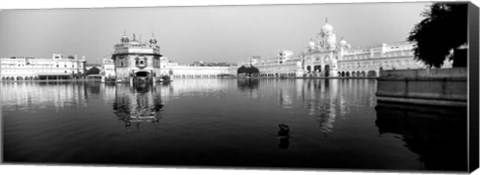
(343, 42)
(153, 40)
(124, 38)
(311, 44)
(327, 28)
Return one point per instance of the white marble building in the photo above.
(30, 68)
(108, 68)
(325, 57)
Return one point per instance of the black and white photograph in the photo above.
(361, 86)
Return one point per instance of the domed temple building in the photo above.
(325, 57)
(135, 60)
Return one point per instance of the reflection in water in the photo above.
(247, 84)
(137, 104)
(325, 122)
(437, 135)
(284, 136)
(229, 121)
(30, 96)
(93, 87)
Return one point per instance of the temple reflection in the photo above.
(138, 105)
(431, 132)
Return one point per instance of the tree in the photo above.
(247, 70)
(242, 70)
(440, 34)
(93, 71)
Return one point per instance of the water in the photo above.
(228, 122)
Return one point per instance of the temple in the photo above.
(325, 56)
(137, 61)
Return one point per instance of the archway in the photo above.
(372, 73)
(343, 74)
(354, 74)
(19, 78)
(347, 74)
(327, 70)
(363, 74)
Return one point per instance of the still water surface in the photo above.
(228, 122)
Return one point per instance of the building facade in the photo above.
(135, 60)
(175, 70)
(30, 68)
(108, 68)
(325, 57)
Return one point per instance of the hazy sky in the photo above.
(215, 33)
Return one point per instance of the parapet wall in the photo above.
(444, 87)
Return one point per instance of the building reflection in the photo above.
(437, 135)
(43, 95)
(320, 97)
(137, 105)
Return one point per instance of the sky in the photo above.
(207, 33)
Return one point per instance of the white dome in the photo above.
(327, 29)
(343, 42)
(311, 44)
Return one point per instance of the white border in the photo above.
(47, 4)
(83, 170)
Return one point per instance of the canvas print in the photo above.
(360, 86)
